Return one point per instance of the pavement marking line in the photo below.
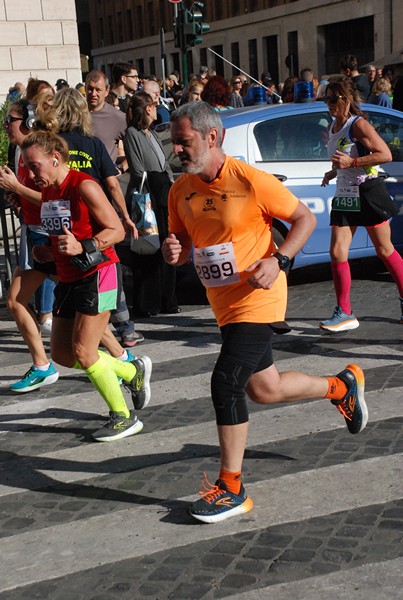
(376, 581)
(191, 387)
(69, 548)
(161, 352)
(192, 347)
(268, 426)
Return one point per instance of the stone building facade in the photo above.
(256, 35)
(38, 38)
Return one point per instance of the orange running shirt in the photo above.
(238, 207)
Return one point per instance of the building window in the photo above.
(218, 12)
(203, 57)
(176, 62)
(292, 58)
(151, 18)
(235, 8)
(235, 57)
(111, 37)
(129, 24)
(189, 58)
(270, 56)
(139, 22)
(119, 27)
(165, 16)
(219, 63)
(140, 65)
(252, 51)
(151, 62)
(101, 31)
(340, 36)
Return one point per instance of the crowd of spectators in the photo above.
(375, 84)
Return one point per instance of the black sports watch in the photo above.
(283, 261)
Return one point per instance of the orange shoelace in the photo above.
(209, 492)
(345, 411)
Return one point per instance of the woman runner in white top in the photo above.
(361, 197)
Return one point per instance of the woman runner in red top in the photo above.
(83, 227)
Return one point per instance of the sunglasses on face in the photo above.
(9, 119)
(238, 81)
(331, 99)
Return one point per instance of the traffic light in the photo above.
(198, 27)
(190, 28)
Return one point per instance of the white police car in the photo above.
(290, 140)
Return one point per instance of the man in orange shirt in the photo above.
(224, 209)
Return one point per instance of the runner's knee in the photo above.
(228, 384)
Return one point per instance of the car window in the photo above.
(293, 137)
(391, 131)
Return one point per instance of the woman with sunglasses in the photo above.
(29, 275)
(361, 197)
(235, 88)
(83, 227)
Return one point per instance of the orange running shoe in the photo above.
(353, 406)
(218, 503)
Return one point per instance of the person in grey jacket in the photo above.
(153, 280)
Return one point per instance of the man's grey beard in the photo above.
(198, 167)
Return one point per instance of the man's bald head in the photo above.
(152, 88)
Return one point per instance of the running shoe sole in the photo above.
(148, 367)
(241, 509)
(46, 381)
(346, 326)
(135, 428)
(360, 378)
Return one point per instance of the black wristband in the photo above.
(90, 257)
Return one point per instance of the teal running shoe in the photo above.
(35, 378)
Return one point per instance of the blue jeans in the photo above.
(44, 297)
(120, 317)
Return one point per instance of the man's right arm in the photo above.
(176, 249)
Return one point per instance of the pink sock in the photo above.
(394, 264)
(342, 285)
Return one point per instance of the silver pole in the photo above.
(163, 58)
(244, 72)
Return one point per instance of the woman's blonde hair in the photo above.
(69, 110)
(49, 142)
(382, 84)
